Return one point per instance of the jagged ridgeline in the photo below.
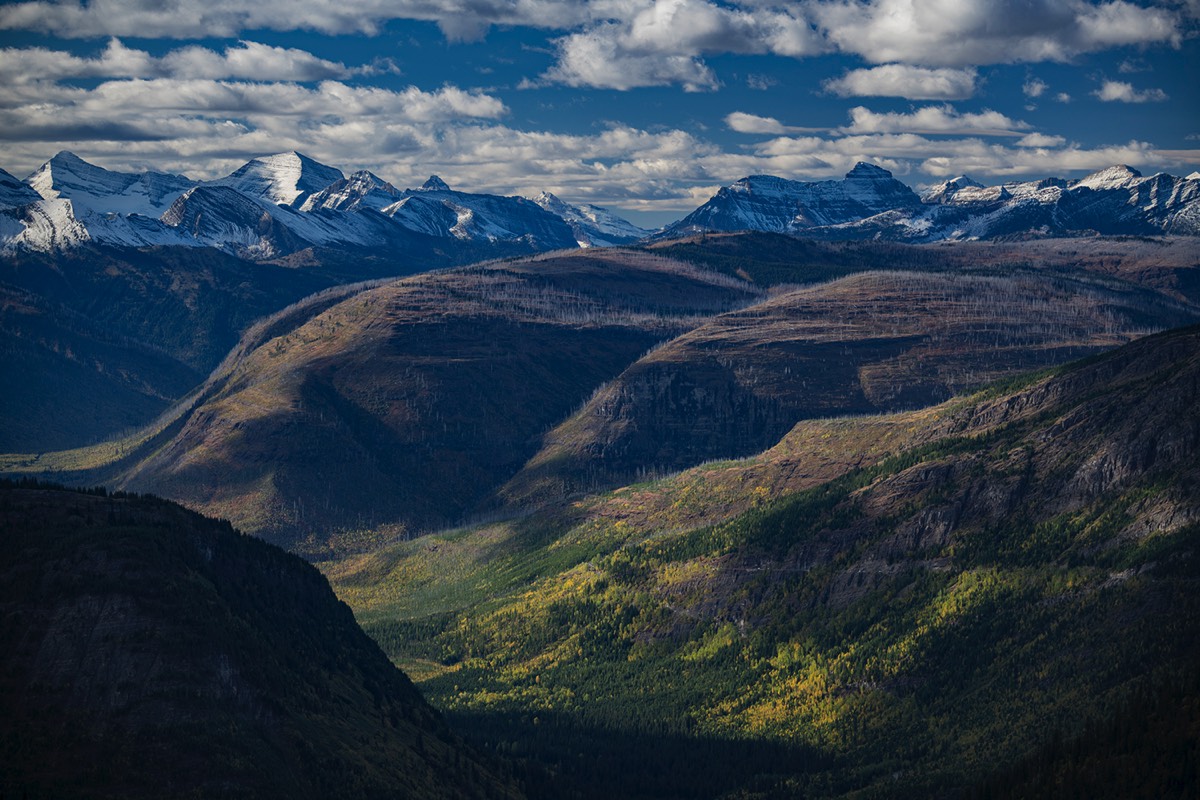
(150, 652)
(996, 596)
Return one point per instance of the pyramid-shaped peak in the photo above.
(65, 161)
(282, 178)
(67, 157)
(550, 201)
(68, 175)
(1112, 177)
(962, 181)
(862, 170)
(435, 184)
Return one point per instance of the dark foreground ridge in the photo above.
(151, 652)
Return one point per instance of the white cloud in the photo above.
(940, 158)
(1040, 140)
(1062, 97)
(251, 60)
(663, 42)
(1121, 92)
(1034, 87)
(752, 123)
(187, 19)
(974, 32)
(245, 60)
(599, 59)
(935, 120)
(623, 44)
(1120, 23)
(903, 80)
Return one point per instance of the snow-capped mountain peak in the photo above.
(281, 179)
(280, 204)
(361, 190)
(945, 191)
(94, 189)
(434, 184)
(1116, 177)
(593, 226)
(779, 205)
(68, 175)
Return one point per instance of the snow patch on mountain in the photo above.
(45, 225)
(91, 188)
(361, 190)
(593, 226)
(1118, 177)
(769, 203)
(281, 179)
(946, 191)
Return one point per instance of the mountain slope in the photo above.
(945, 592)
(280, 179)
(95, 190)
(408, 403)
(14, 193)
(593, 226)
(97, 342)
(866, 343)
(150, 652)
(437, 210)
(870, 204)
(484, 389)
(777, 205)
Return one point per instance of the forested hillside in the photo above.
(969, 598)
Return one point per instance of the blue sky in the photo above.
(645, 106)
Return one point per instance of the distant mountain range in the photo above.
(277, 205)
(871, 204)
(274, 206)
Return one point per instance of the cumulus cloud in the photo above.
(601, 59)
(933, 44)
(245, 60)
(186, 19)
(663, 43)
(903, 80)
(935, 120)
(1121, 92)
(973, 32)
(624, 44)
(1034, 87)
